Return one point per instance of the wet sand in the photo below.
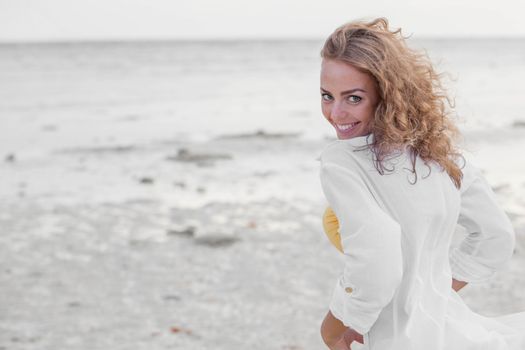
(216, 244)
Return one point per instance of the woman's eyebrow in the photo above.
(347, 91)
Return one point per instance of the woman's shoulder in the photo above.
(343, 151)
(337, 152)
(470, 170)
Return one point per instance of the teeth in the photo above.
(346, 126)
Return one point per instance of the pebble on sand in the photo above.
(10, 158)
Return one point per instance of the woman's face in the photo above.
(348, 98)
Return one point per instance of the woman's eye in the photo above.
(351, 98)
(354, 98)
(326, 99)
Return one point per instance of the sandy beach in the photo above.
(123, 226)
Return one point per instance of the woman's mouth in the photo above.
(346, 128)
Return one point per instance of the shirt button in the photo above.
(348, 290)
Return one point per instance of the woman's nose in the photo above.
(338, 112)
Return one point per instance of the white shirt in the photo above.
(395, 288)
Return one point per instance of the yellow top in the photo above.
(331, 228)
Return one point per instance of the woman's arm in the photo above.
(490, 240)
(333, 330)
(336, 335)
(371, 243)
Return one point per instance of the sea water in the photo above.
(255, 103)
(94, 92)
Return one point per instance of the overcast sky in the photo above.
(42, 20)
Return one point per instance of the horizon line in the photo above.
(229, 39)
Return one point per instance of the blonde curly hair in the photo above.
(412, 110)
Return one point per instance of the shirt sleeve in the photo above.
(490, 240)
(371, 242)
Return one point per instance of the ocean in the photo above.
(200, 90)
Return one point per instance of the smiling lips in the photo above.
(346, 127)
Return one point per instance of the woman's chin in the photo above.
(342, 136)
(358, 131)
(350, 135)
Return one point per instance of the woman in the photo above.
(397, 187)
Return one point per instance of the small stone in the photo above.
(180, 330)
(171, 297)
(146, 180)
(10, 158)
(184, 155)
(519, 123)
(188, 231)
(216, 240)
